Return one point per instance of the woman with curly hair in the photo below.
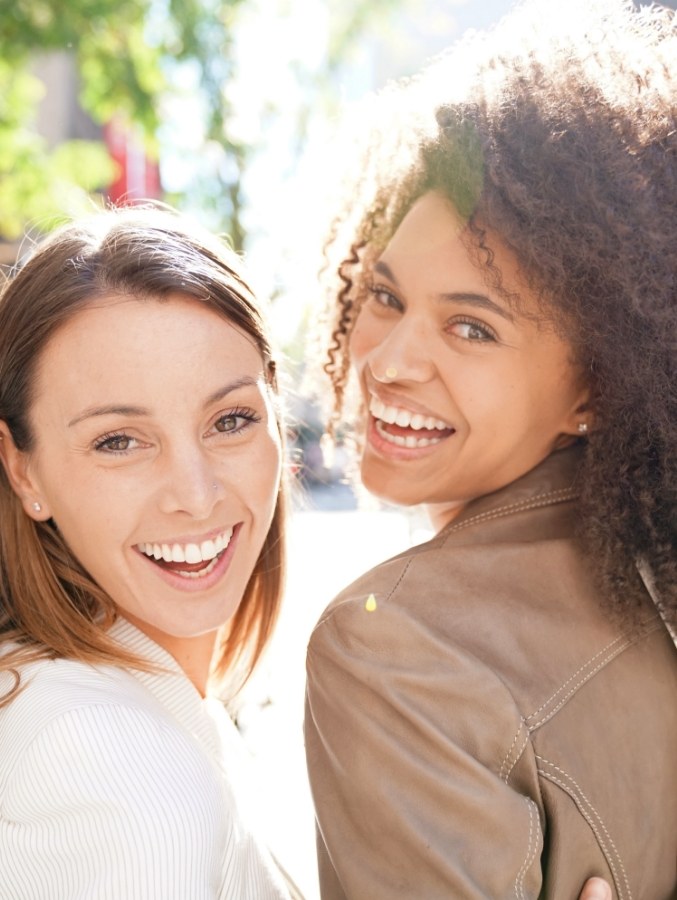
(492, 713)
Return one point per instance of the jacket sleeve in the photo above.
(107, 803)
(409, 743)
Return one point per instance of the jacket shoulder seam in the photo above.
(569, 785)
(587, 671)
(548, 499)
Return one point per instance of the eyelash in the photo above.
(376, 289)
(250, 417)
(395, 303)
(105, 443)
(489, 333)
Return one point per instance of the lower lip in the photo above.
(204, 582)
(385, 448)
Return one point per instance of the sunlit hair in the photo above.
(558, 132)
(49, 605)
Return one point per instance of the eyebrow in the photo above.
(481, 301)
(139, 411)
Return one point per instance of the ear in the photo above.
(580, 421)
(17, 468)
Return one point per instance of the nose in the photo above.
(404, 354)
(190, 483)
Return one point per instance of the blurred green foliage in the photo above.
(121, 48)
(128, 55)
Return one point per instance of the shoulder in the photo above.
(101, 715)
(125, 797)
(51, 688)
(499, 610)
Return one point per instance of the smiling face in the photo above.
(465, 393)
(157, 453)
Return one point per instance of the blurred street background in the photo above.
(328, 549)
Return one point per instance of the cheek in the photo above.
(365, 336)
(263, 470)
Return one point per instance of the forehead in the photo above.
(438, 247)
(136, 343)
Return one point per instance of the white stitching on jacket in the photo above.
(531, 850)
(551, 497)
(575, 675)
(588, 675)
(509, 753)
(588, 810)
(516, 759)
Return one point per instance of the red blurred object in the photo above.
(139, 176)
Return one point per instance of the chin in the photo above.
(391, 489)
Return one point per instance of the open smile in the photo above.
(403, 428)
(188, 560)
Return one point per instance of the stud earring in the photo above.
(391, 373)
(582, 427)
(36, 506)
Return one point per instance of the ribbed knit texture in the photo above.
(120, 785)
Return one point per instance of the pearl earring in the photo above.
(36, 506)
(582, 427)
(391, 373)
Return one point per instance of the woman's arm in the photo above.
(406, 736)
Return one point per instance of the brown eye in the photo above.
(235, 421)
(383, 297)
(227, 423)
(470, 330)
(114, 443)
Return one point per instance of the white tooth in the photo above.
(403, 418)
(192, 554)
(430, 423)
(226, 538)
(177, 553)
(442, 426)
(389, 414)
(417, 421)
(423, 442)
(157, 551)
(166, 553)
(208, 550)
(410, 441)
(376, 407)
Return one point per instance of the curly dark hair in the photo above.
(564, 144)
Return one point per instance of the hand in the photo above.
(596, 889)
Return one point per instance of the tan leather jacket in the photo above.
(487, 730)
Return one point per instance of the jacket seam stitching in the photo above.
(531, 851)
(532, 726)
(400, 578)
(575, 675)
(552, 497)
(506, 759)
(588, 811)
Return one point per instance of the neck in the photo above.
(441, 514)
(193, 654)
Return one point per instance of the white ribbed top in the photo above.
(124, 785)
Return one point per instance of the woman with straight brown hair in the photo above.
(141, 562)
